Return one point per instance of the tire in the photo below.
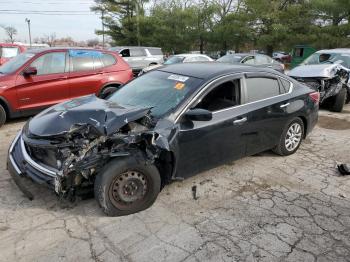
(281, 148)
(2, 115)
(119, 179)
(107, 91)
(339, 101)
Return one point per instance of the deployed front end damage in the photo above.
(66, 146)
(331, 80)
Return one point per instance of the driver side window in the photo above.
(223, 96)
(51, 63)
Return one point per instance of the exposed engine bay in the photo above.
(77, 152)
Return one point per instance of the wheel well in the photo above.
(305, 124)
(109, 85)
(4, 105)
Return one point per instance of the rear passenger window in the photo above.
(155, 51)
(261, 88)
(108, 60)
(137, 52)
(83, 60)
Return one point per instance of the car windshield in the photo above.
(235, 59)
(160, 91)
(174, 60)
(330, 58)
(8, 52)
(15, 63)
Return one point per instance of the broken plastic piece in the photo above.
(344, 169)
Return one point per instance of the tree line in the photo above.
(220, 25)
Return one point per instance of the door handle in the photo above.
(284, 105)
(240, 121)
(63, 78)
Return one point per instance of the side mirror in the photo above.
(199, 114)
(29, 71)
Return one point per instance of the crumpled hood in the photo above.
(320, 70)
(106, 116)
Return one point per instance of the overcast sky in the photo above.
(80, 26)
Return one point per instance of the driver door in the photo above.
(48, 87)
(206, 144)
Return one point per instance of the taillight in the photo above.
(315, 96)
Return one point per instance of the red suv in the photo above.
(38, 79)
(8, 51)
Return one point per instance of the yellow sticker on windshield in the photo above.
(179, 86)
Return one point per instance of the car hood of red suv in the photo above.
(103, 116)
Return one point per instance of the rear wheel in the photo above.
(339, 101)
(291, 138)
(126, 186)
(107, 91)
(2, 115)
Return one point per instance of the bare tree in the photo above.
(11, 32)
(50, 39)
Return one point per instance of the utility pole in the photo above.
(30, 36)
(103, 28)
(138, 23)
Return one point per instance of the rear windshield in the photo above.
(160, 91)
(174, 60)
(328, 58)
(15, 63)
(8, 52)
(230, 59)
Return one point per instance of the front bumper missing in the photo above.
(20, 165)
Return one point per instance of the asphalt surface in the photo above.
(260, 208)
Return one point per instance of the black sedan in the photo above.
(168, 124)
(257, 60)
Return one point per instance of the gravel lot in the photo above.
(261, 208)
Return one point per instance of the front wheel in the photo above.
(126, 186)
(2, 115)
(291, 138)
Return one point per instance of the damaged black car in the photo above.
(166, 125)
(328, 72)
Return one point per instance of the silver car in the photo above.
(327, 71)
(139, 57)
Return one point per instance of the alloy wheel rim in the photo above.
(293, 137)
(128, 188)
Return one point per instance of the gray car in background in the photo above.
(252, 59)
(139, 57)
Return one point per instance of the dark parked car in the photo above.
(168, 124)
(40, 78)
(257, 60)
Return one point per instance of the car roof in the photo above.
(335, 51)
(190, 55)
(9, 45)
(209, 70)
(40, 50)
(123, 47)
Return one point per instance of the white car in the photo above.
(139, 57)
(181, 58)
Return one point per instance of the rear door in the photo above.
(86, 72)
(268, 102)
(49, 86)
